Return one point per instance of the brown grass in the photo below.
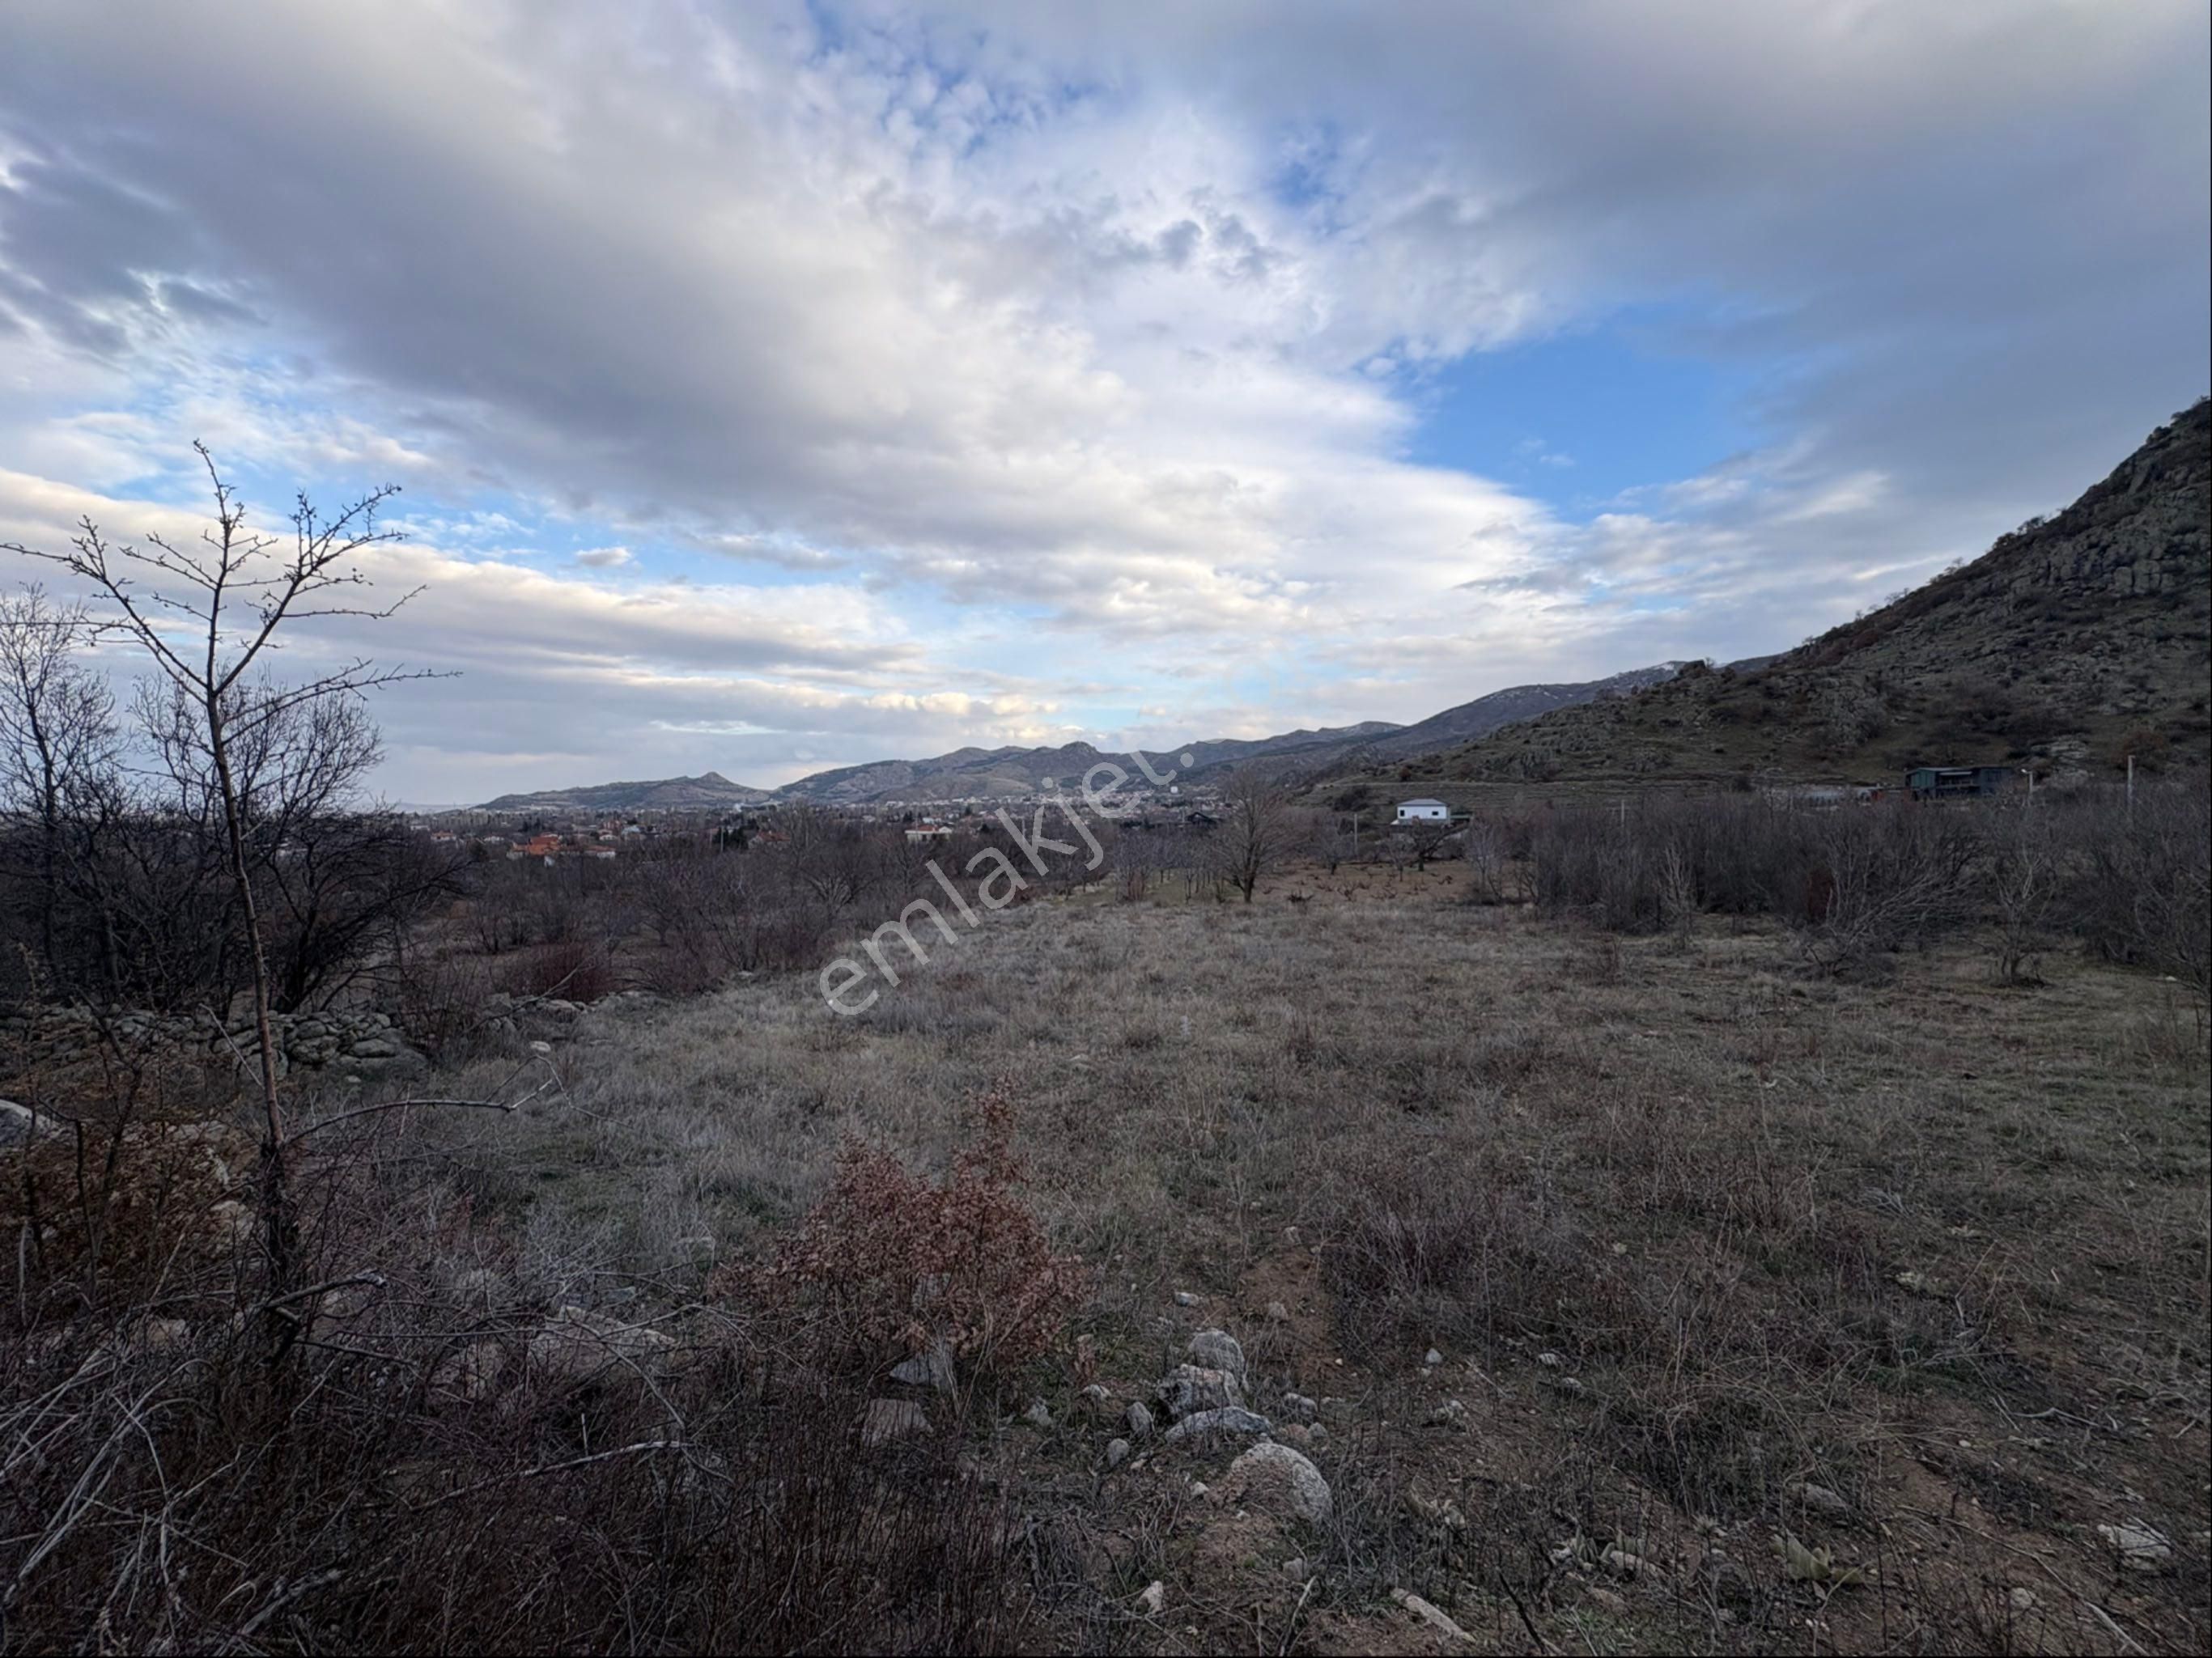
(1688, 1228)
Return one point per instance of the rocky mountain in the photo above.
(708, 792)
(2072, 642)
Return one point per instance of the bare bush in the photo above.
(1879, 878)
(1478, 1260)
(1493, 874)
(454, 1455)
(2026, 878)
(2144, 894)
(149, 1475)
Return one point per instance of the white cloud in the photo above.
(1073, 340)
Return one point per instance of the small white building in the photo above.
(1424, 812)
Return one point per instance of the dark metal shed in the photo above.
(1957, 782)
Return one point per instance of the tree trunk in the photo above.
(277, 1225)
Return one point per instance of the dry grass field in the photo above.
(1768, 1313)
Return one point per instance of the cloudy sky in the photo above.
(781, 387)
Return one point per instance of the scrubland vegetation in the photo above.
(1680, 1222)
(1720, 1233)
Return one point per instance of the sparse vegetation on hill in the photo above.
(2072, 643)
(708, 792)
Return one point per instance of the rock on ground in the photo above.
(1217, 1350)
(1818, 1498)
(580, 1345)
(930, 1368)
(1278, 1480)
(2140, 1547)
(470, 1374)
(1190, 1387)
(888, 1420)
(1229, 1419)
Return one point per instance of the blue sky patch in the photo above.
(1576, 418)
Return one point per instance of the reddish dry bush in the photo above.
(893, 1262)
(573, 969)
(444, 1002)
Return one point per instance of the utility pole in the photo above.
(2131, 782)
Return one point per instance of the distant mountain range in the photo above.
(974, 772)
(966, 772)
(2071, 640)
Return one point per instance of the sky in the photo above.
(778, 386)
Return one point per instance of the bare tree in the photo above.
(1880, 879)
(1427, 841)
(208, 618)
(1141, 856)
(828, 860)
(1257, 830)
(1490, 867)
(58, 740)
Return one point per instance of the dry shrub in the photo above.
(160, 1493)
(445, 1003)
(101, 1213)
(1481, 1259)
(133, 1181)
(165, 1486)
(2144, 893)
(890, 1262)
(573, 969)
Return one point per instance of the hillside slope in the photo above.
(2072, 641)
(1485, 714)
(985, 773)
(708, 792)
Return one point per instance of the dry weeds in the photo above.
(1692, 1231)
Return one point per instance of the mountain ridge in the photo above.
(2072, 642)
(1012, 769)
(706, 791)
